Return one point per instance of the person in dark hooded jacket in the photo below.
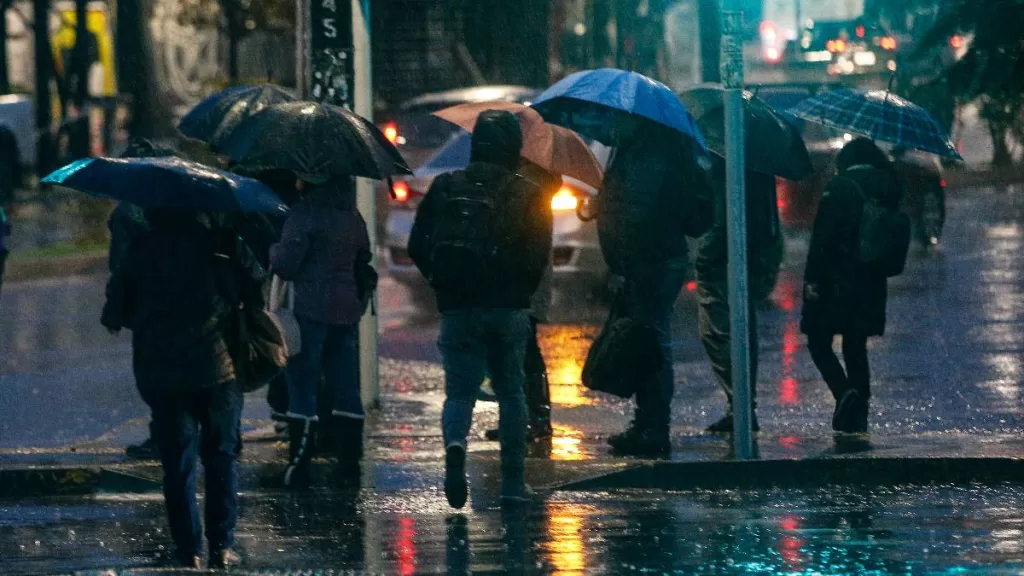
(178, 286)
(485, 323)
(655, 195)
(842, 296)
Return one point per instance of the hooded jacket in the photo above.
(525, 237)
(322, 239)
(852, 298)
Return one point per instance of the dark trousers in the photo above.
(207, 422)
(856, 375)
(713, 324)
(3, 265)
(538, 396)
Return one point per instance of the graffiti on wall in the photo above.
(189, 48)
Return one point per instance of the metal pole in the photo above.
(739, 307)
(369, 377)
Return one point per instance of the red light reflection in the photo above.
(405, 546)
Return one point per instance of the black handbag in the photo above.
(624, 354)
(258, 347)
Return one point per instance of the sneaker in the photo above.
(224, 559)
(616, 439)
(535, 432)
(520, 496)
(188, 561)
(147, 450)
(724, 425)
(845, 418)
(456, 489)
(641, 442)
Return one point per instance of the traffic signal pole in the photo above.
(333, 66)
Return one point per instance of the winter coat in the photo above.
(852, 297)
(126, 223)
(654, 196)
(764, 233)
(322, 239)
(177, 287)
(525, 246)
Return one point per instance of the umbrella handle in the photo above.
(391, 188)
(591, 211)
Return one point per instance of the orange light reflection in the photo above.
(565, 539)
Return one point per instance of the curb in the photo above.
(57, 266)
(805, 473)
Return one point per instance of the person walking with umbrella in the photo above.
(179, 284)
(845, 290)
(655, 195)
(483, 246)
(773, 148)
(324, 241)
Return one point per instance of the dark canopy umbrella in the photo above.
(881, 116)
(773, 145)
(213, 118)
(166, 183)
(316, 141)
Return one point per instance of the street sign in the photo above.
(330, 34)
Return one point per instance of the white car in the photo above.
(577, 255)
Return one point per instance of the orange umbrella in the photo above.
(556, 149)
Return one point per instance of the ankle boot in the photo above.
(347, 437)
(301, 442)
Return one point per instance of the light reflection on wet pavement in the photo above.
(948, 372)
(823, 531)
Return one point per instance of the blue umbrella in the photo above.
(214, 118)
(881, 116)
(167, 183)
(587, 102)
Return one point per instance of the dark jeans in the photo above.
(538, 395)
(331, 350)
(856, 376)
(474, 342)
(3, 265)
(713, 324)
(206, 421)
(652, 292)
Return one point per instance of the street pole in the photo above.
(369, 377)
(333, 57)
(44, 69)
(5, 81)
(736, 206)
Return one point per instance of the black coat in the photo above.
(852, 298)
(178, 285)
(654, 196)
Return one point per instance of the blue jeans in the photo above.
(652, 292)
(206, 421)
(331, 350)
(474, 343)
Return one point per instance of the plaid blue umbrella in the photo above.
(587, 101)
(167, 183)
(881, 116)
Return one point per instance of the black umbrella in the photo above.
(773, 144)
(316, 141)
(214, 118)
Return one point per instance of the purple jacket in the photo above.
(322, 237)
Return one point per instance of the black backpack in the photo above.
(467, 234)
(883, 237)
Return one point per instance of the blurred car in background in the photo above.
(921, 174)
(418, 133)
(576, 253)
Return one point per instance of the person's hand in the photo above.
(811, 292)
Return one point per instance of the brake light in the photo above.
(942, 182)
(400, 190)
(391, 132)
(564, 199)
(956, 42)
(860, 31)
(772, 55)
(837, 45)
(887, 43)
(769, 33)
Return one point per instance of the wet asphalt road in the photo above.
(826, 531)
(951, 360)
(950, 367)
